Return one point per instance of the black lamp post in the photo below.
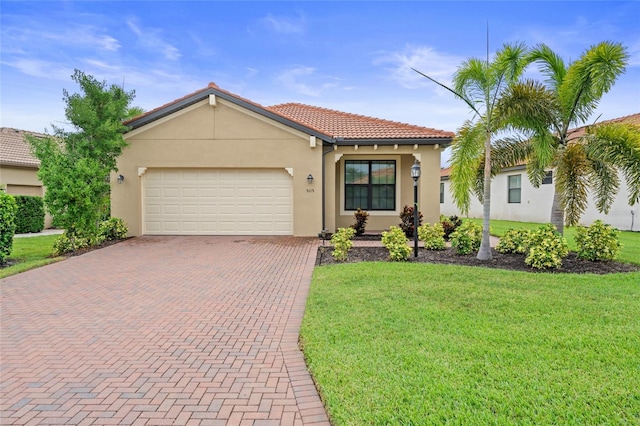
(415, 174)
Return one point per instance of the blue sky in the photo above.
(350, 56)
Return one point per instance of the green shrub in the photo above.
(432, 236)
(449, 224)
(395, 241)
(407, 221)
(30, 217)
(467, 237)
(547, 248)
(342, 243)
(514, 241)
(598, 241)
(112, 229)
(8, 211)
(361, 217)
(69, 242)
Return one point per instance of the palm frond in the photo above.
(604, 183)
(617, 144)
(466, 154)
(528, 105)
(549, 63)
(572, 182)
(589, 78)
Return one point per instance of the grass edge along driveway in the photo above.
(30, 253)
(391, 343)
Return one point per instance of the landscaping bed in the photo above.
(513, 262)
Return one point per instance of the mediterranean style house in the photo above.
(214, 163)
(513, 197)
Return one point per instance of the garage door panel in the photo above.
(218, 201)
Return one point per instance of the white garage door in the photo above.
(218, 202)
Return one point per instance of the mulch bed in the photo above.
(512, 262)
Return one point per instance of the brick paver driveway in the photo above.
(161, 330)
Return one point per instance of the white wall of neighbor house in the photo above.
(535, 204)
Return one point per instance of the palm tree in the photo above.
(480, 84)
(584, 160)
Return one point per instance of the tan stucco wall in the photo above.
(23, 181)
(224, 136)
(428, 185)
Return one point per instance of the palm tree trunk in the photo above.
(557, 213)
(485, 245)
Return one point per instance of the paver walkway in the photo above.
(161, 330)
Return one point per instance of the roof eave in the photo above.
(199, 96)
(443, 141)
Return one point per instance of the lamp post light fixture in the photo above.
(415, 174)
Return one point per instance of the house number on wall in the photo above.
(309, 189)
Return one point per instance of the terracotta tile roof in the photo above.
(629, 119)
(14, 149)
(352, 126)
(330, 123)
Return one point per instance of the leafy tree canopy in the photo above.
(75, 165)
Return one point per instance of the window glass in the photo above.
(515, 188)
(548, 178)
(441, 192)
(370, 185)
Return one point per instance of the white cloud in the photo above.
(437, 65)
(40, 68)
(285, 25)
(303, 80)
(150, 38)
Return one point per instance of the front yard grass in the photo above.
(393, 343)
(30, 253)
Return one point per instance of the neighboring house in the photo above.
(513, 197)
(18, 167)
(215, 163)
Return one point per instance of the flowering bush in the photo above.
(432, 236)
(467, 237)
(514, 241)
(395, 241)
(598, 242)
(546, 248)
(342, 243)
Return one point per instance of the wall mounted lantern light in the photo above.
(310, 178)
(120, 178)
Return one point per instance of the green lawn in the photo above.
(31, 253)
(630, 240)
(393, 343)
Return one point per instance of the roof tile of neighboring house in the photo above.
(352, 126)
(14, 149)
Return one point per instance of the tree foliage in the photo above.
(547, 114)
(75, 165)
(8, 211)
(480, 84)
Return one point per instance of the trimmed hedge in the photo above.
(30, 217)
(8, 210)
